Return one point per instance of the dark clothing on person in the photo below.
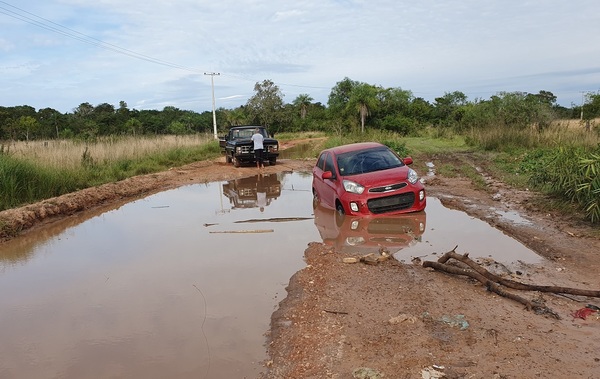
(258, 154)
(258, 139)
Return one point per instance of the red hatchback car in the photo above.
(367, 179)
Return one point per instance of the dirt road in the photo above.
(393, 320)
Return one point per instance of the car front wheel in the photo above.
(340, 214)
(315, 200)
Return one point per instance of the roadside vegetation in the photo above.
(33, 171)
(527, 140)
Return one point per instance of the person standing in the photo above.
(258, 139)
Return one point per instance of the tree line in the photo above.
(351, 105)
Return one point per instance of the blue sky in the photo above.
(155, 53)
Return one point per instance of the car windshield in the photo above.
(369, 160)
(243, 133)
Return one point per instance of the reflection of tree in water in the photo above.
(23, 248)
(251, 192)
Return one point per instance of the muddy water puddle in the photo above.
(448, 228)
(183, 283)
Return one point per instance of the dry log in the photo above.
(490, 285)
(274, 219)
(244, 231)
(514, 284)
(493, 282)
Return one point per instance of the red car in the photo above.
(367, 179)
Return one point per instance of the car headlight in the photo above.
(355, 241)
(353, 187)
(412, 176)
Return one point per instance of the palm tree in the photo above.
(303, 101)
(363, 99)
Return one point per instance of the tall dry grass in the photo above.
(576, 123)
(70, 154)
(32, 171)
(556, 135)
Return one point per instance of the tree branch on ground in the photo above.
(494, 283)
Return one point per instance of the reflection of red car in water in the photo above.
(364, 235)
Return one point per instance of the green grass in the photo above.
(24, 182)
(561, 163)
(426, 145)
(452, 170)
(411, 145)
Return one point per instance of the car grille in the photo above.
(250, 149)
(391, 187)
(391, 203)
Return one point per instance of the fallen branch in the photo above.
(490, 285)
(274, 219)
(335, 312)
(493, 282)
(245, 231)
(513, 284)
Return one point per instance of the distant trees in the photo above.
(340, 96)
(351, 104)
(448, 109)
(266, 106)
(518, 110)
(591, 107)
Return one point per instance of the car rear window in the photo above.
(369, 160)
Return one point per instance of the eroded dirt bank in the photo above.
(396, 320)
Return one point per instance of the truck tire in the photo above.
(272, 161)
(227, 158)
(236, 162)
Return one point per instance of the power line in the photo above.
(33, 19)
(41, 22)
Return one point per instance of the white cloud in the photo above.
(149, 53)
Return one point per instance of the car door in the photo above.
(318, 175)
(326, 188)
(322, 188)
(330, 186)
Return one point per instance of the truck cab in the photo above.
(238, 147)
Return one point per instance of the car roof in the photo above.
(354, 147)
(247, 127)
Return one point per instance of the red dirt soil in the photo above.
(394, 320)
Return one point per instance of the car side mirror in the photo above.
(407, 161)
(327, 175)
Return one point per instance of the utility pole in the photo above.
(582, 95)
(212, 84)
